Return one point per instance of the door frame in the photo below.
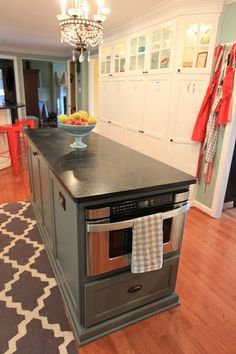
(17, 82)
(227, 151)
(91, 88)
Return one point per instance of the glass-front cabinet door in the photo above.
(198, 37)
(120, 54)
(161, 48)
(137, 53)
(105, 61)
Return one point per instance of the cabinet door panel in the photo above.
(46, 201)
(104, 128)
(65, 216)
(135, 102)
(184, 152)
(119, 99)
(37, 195)
(156, 116)
(106, 99)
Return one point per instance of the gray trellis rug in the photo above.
(32, 315)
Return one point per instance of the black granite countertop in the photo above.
(103, 169)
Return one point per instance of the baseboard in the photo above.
(200, 206)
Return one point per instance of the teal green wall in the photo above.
(228, 34)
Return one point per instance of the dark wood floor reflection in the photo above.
(205, 322)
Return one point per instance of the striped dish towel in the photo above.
(147, 244)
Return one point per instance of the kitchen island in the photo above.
(65, 185)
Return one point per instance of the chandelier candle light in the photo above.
(78, 30)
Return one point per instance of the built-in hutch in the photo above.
(152, 83)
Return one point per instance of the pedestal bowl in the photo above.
(78, 131)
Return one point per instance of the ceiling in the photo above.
(34, 28)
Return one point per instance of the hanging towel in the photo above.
(147, 244)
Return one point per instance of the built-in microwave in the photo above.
(109, 229)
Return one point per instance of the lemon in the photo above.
(62, 118)
(92, 120)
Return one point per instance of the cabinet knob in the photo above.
(35, 153)
(179, 70)
(109, 121)
(141, 131)
(145, 72)
(171, 140)
(110, 74)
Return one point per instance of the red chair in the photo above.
(13, 133)
(25, 122)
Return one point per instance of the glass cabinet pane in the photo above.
(165, 58)
(196, 44)
(161, 44)
(120, 57)
(137, 53)
(205, 33)
(166, 40)
(156, 40)
(106, 60)
(188, 57)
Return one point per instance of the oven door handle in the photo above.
(129, 223)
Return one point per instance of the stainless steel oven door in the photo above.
(99, 259)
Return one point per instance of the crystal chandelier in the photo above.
(78, 30)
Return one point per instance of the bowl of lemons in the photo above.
(78, 124)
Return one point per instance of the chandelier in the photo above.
(78, 30)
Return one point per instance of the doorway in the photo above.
(45, 90)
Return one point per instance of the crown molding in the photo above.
(165, 11)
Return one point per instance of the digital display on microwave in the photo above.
(143, 204)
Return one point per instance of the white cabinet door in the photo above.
(106, 99)
(196, 42)
(183, 152)
(119, 108)
(104, 128)
(135, 108)
(156, 115)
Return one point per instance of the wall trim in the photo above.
(165, 11)
(202, 207)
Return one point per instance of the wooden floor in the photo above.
(205, 322)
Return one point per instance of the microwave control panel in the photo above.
(134, 205)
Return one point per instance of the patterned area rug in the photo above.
(32, 315)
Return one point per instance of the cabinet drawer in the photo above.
(118, 294)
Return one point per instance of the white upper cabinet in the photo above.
(137, 53)
(120, 57)
(105, 61)
(196, 42)
(161, 48)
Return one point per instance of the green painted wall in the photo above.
(227, 34)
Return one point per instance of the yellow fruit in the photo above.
(92, 120)
(74, 116)
(83, 114)
(62, 118)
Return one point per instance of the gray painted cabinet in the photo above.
(96, 305)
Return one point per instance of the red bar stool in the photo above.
(13, 132)
(25, 122)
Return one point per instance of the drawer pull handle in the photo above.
(35, 153)
(135, 288)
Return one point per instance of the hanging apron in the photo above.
(227, 89)
(199, 130)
